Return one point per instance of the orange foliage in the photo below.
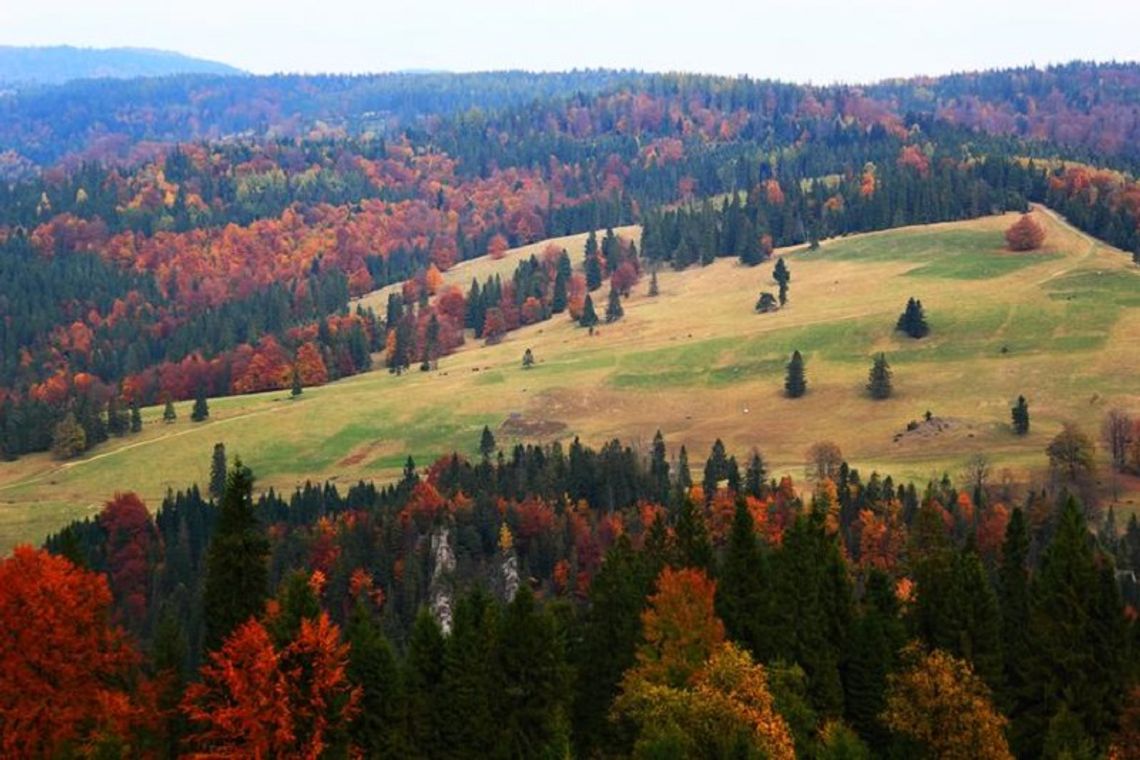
(774, 193)
(912, 156)
(1025, 234)
(64, 667)
(497, 247)
(680, 627)
(311, 365)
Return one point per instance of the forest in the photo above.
(547, 601)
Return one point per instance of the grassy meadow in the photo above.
(1061, 326)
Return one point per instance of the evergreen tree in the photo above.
(471, 684)
(487, 444)
(684, 476)
(1020, 415)
(795, 382)
(913, 320)
(423, 689)
(659, 469)
(297, 390)
(879, 382)
(528, 359)
(1078, 634)
(654, 290)
(755, 483)
(201, 410)
(767, 303)
(1013, 595)
(218, 471)
(614, 310)
(560, 297)
(236, 571)
(716, 470)
(372, 667)
(743, 575)
(136, 417)
(168, 413)
(589, 317)
(593, 263)
(694, 549)
(118, 423)
(782, 277)
(876, 637)
(68, 439)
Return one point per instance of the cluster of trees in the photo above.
(599, 602)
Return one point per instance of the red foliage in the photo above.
(131, 548)
(1025, 234)
(64, 666)
(912, 156)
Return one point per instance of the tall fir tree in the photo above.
(218, 469)
(376, 730)
(743, 575)
(1020, 416)
(659, 469)
(136, 417)
(237, 573)
(168, 413)
(614, 310)
(782, 277)
(795, 381)
(589, 317)
(422, 680)
(201, 410)
(913, 320)
(879, 381)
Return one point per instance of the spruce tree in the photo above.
(297, 390)
(1020, 415)
(743, 574)
(716, 470)
(659, 469)
(1013, 596)
(136, 417)
(168, 413)
(372, 668)
(589, 317)
(766, 303)
(684, 476)
(237, 575)
(560, 298)
(470, 680)
(423, 689)
(487, 444)
(782, 277)
(876, 637)
(913, 320)
(879, 382)
(201, 410)
(218, 471)
(795, 382)
(614, 310)
(694, 548)
(755, 483)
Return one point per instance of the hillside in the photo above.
(1061, 326)
(63, 63)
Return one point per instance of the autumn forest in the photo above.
(169, 244)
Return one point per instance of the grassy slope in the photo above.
(697, 363)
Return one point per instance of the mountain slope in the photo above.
(1058, 326)
(59, 64)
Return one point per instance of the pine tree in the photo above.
(470, 680)
(297, 390)
(1013, 595)
(913, 320)
(876, 637)
(593, 264)
(879, 382)
(487, 444)
(218, 471)
(782, 277)
(740, 597)
(659, 469)
(168, 413)
(560, 297)
(755, 484)
(372, 667)
(589, 317)
(423, 689)
(201, 410)
(1020, 415)
(795, 382)
(694, 548)
(614, 310)
(716, 470)
(684, 476)
(136, 417)
(237, 576)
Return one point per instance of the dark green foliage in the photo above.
(879, 382)
(659, 469)
(136, 417)
(296, 601)
(201, 410)
(487, 444)
(654, 290)
(913, 320)
(528, 359)
(795, 381)
(296, 390)
(1020, 415)
(693, 547)
(471, 681)
(767, 303)
(755, 483)
(423, 689)
(1078, 641)
(716, 470)
(589, 317)
(782, 277)
(593, 263)
(614, 310)
(740, 594)
(236, 572)
(218, 469)
(876, 637)
(684, 476)
(168, 413)
(377, 729)
(1013, 595)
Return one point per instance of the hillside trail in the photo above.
(1093, 243)
(138, 444)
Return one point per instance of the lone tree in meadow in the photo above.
(614, 311)
(528, 359)
(589, 317)
(782, 277)
(1020, 415)
(767, 303)
(1025, 234)
(879, 382)
(201, 410)
(913, 320)
(487, 443)
(168, 413)
(297, 389)
(795, 383)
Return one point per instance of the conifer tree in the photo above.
(471, 684)
(879, 382)
(795, 382)
(659, 469)
(218, 471)
(782, 277)
(694, 548)
(755, 483)
(487, 444)
(589, 317)
(877, 635)
(913, 320)
(684, 476)
(654, 290)
(716, 470)
(423, 689)
(68, 439)
(528, 359)
(201, 410)
(1020, 416)
(372, 667)
(297, 390)
(168, 413)
(136, 417)
(767, 303)
(1013, 595)
(614, 310)
(743, 575)
(237, 575)
(560, 297)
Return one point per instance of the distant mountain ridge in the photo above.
(63, 63)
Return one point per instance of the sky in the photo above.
(797, 40)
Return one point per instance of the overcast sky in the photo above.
(800, 40)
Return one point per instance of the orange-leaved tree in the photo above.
(66, 670)
(1025, 234)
